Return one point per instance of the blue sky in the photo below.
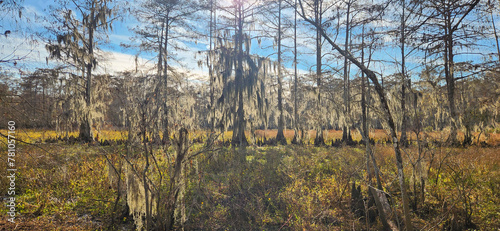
(120, 59)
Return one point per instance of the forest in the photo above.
(250, 115)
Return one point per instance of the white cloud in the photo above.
(22, 52)
(117, 62)
(30, 54)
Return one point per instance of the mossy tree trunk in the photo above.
(177, 186)
(76, 42)
(239, 121)
(86, 134)
(319, 140)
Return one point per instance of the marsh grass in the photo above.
(66, 187)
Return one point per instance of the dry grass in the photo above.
(58, 187)
(297, 187)
(492, 139)
(40, 135)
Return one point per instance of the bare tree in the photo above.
(297, 138)
(380, 92)
(280, 137)
(447, 17)
(346, 129)
(213, 29)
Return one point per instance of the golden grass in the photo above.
(40, 135)
(61, 187)
(376, 134)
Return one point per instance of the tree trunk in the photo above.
(158, 90)
(239, 122)
(144, 174)
(166, 132)
(450, 79)
(176, 183)
(280, 137)
(364, 120)
(346, 131)
(365, 132)
(210, 68)
(403, 138)
(319, 140)
(296, 138)
(86, 133)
